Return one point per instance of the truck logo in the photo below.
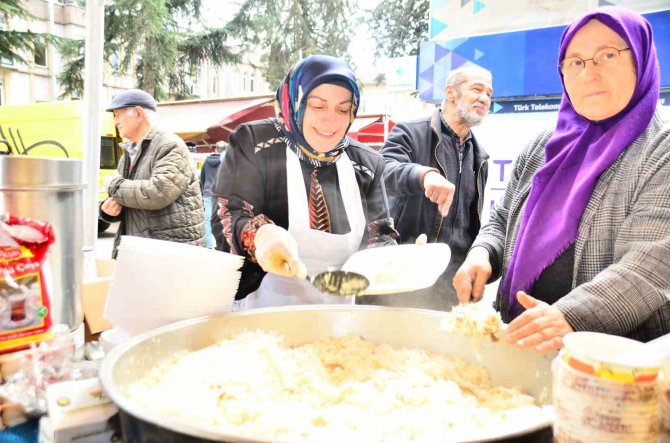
(10, 146)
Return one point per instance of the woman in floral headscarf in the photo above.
(582, 235)
(295, 194)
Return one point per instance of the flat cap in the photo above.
(130, 98)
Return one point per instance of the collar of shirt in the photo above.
(446, 130)
(133, 149)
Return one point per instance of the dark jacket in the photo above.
(411, 149)
(160, 195)
(208, 173)
(251, 184)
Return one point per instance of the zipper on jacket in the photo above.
(444, 173)
(480, 192)
(133, 168)
(457, 187)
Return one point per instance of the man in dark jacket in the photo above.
(207, 176)
(157, 194)
(435, 176)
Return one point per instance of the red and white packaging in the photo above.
(25, 308)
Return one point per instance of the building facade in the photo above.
(37, 79)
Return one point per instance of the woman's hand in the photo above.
(277, 252)
(541, 326)
(472, 276)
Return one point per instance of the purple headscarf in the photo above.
(577, 154)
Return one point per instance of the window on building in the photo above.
(252, 74)
(40, 54)
(215, 82)
(114, 61)
(194, 79)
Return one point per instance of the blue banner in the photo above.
(523, 106)
(523, 63)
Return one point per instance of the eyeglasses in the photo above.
(604, 58)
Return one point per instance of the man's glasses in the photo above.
(604, 58)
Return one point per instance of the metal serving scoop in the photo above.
(342, 283)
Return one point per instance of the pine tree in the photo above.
(154, 38)
(288, 30)
(14, 43)
(399, 26)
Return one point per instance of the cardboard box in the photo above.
(10, 364)
(105, 268)
(11, 414)
(79, 411)
(94, 295)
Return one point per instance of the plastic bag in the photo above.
(25, 309)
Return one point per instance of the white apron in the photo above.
(319, 250)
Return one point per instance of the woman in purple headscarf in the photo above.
(295, 194)
(582, 235)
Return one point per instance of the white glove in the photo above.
(277, 252)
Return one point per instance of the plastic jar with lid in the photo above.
(605, 389)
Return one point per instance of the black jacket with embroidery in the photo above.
(251, 182)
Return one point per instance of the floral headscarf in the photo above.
(291, 100)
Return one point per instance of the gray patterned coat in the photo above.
(621, 276)
(160, 195)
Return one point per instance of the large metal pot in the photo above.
(398, 327)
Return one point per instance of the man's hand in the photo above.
(541, 326)
(277, 252)
(472, 276)
(111, 207)
(439, 190)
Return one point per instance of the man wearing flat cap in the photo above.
(157, 194)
